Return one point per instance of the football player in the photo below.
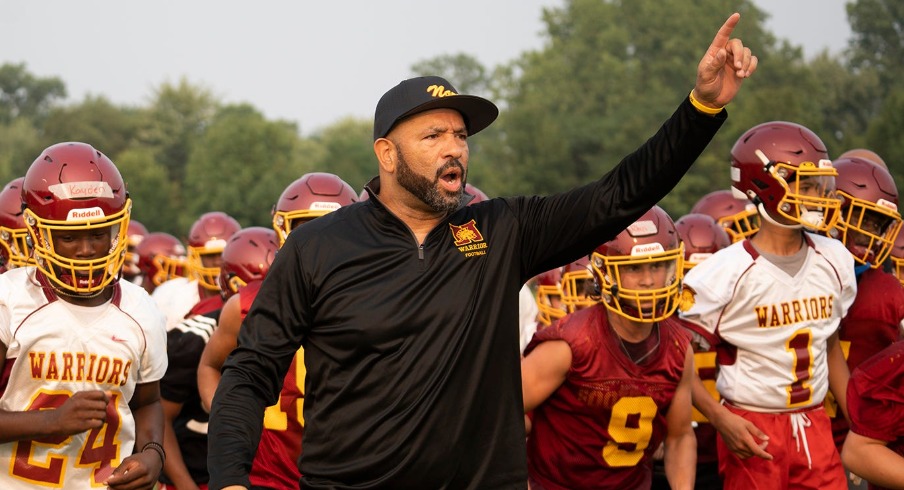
(275, 465)
(771, 306)
(81, 351)
(198, 293)
(609, 383)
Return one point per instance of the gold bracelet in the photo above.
(702, 108)
(158, 448)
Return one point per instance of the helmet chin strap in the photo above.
(767, 217)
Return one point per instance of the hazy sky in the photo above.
(303, 61)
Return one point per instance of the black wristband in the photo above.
(158, 448)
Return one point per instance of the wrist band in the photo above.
(702, 108)
(158, 448)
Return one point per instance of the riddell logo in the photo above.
(647, 249)
(84, 214)
(324, 206)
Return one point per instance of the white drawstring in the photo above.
(799, 424)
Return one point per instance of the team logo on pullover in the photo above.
(468, 239)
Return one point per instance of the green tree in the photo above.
(884, 135)
(464, 71)
(155, 197)
(347, 151)
(240, 166)
(609, 74)
(109, 128)
(179, 114)
(877, 42)
(20, 144)
(23, 95)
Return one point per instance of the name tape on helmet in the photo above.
(647, 249)
(81, 190)
(215, 243)
(324, 206)
(84, 214)
(642, 228)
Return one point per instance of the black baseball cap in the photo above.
(425, 93)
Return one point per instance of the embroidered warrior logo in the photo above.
(468, 239)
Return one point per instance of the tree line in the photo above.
(608, 73)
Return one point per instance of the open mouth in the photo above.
(451, 179)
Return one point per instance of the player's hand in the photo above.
(84, 410)
(741, 436)
(724, 66)
(137, 472)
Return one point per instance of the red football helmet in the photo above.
(550, 296)
(737, 215)
(897, 257)
(869, 221)
(650, 247)
(74, 187)
(865, 154)
(14, 248)
(785, 170)
(247, 257)
(479, 195)
(311, 196)
(207, 239)
(161, 257)
(577, 285)
(701, 236)
(134, 235)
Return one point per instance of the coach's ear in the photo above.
(386, 155)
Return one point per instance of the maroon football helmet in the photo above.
(577, 285)
(14, 248)
(247, 257)
(785, 170)
(897, 257)
(311, 196)
(74, 187)
(479, 195)
(865, 154)
(161, 257)
(650, 242)
(701, 236)
(134, 235)
(869, 221)
(737, 215)
(550, 296)
(207, 238)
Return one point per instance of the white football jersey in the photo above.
(772, 328)
(176, 298)
(55, 349)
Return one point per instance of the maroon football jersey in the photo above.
(602, 426)
(876, 400)
(872, 324)
(276, 463)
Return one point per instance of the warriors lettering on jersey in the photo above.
(79, 366)
(794, 311)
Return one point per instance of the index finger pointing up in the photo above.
(725, 32)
